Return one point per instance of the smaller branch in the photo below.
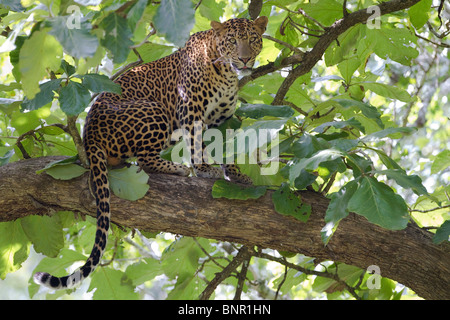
(287, 45)
(440, 36)
(198, 5)
(114, 254)
(242, 276)
(73, 131)
(282, 281)
(297, 26)
(441, 44)
(303, 13)
(221, 276)
(151, 33)
(296, 108)
(324, 274)
(429, 210)
(127, 67)
(344, 9)
(271, 67)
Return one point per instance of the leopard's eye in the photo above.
(232, 40)
(253, 39)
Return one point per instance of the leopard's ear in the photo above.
(217, 26)
(261, 24)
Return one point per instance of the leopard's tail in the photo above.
(100, 188)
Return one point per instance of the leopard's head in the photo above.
(239, 41)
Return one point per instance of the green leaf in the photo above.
(100, 83)
(147, 269)
(441, 162)
(14, 247)
(352, 122)
(307, 145)
(379, 204)
(366, 109)
(348, 67)
(337, 209)
(288, 203)
(324, 11)
(256, 111)
(326, 78)
(13, 5)
(39, 53)
(211, 9)
(51, 130)
(110, 284)
(45, 233)
(180, 258)
(63, 162)
(78, 42)
(413, 182)
(420, 13)
(387, 161)
(387, 91)
(442, 233)
(313, 162)
(186, 288)
(387, 132)
(117, 37)
(5, 159)
(393, 43)
(128, 183)
(229, 190)
(66, 172)
(45, 95)
(74, 98)
(135, 13)
(175, 19)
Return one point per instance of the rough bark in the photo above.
(185, 206)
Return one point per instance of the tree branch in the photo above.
(185, 206)
(331, 34)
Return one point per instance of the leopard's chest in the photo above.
(221, 97)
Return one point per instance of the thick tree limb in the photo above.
(185, 206)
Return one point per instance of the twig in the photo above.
(429, 210)
(73, 131)
(221, 276)
(303, 13)
(151, 33)
(114, 254)
(287, 45)
(198, 5)
(441, 44)
(242, 276)
(324, 274)
(282, 282)
(344, 8)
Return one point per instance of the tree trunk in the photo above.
(185, 206)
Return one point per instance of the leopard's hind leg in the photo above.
(156, 127)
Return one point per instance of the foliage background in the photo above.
(370, 118)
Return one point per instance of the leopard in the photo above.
(192, 89)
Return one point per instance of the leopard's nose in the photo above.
(244, 60)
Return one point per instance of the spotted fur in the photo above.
(193, 87)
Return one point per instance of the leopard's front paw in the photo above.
(232, 173)
(207, 171)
